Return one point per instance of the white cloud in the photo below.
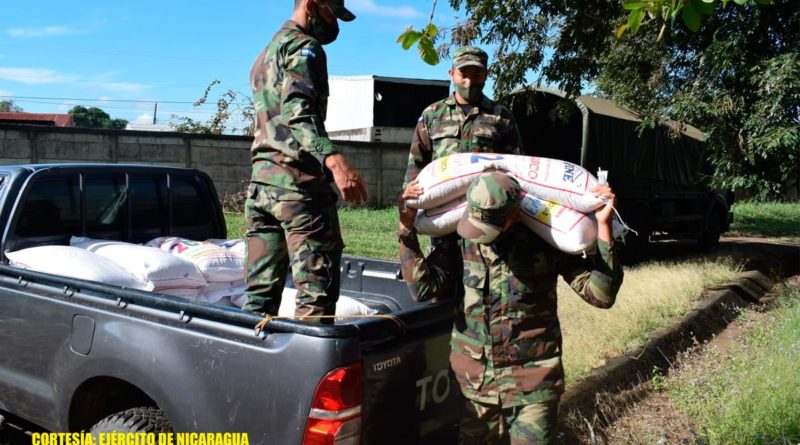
(5, 93)
(48, 76)
(46, 31)
(122, 86)
(369, 7)
(144, 118)
(32, 75)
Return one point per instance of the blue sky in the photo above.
(171, 50)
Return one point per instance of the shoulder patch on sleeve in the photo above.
(308, 52)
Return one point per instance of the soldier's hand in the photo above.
(347, 179)
(407, 214)
(412, 191)
(605, 212)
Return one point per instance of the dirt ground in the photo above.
(646, 414)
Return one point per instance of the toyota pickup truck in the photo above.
(78, 355)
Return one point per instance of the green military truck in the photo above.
(659, 173)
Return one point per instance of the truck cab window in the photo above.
(148, 197)
(53, 207)
(189, 207)
(106, 206)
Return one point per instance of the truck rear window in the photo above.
(188, 205)
(53, 207)
(106, 206)
(132, 207)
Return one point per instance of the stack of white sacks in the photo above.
(557, 202)
(221, 264)
(158, 271)
(206, 272)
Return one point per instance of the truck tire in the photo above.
(709, 237)
(145, 419)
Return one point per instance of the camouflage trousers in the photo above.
(488, 424)
(302, 234)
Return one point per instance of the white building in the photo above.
(377, 108)
(144, 126)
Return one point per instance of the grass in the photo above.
(370, 233)
(766, 219)
(749, 394)
(236, 224)
(651, 296)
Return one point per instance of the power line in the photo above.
(198, 112)
(144, 110)
(100, 100)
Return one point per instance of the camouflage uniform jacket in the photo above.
(289, 80)
(506, 340)
(444, 129)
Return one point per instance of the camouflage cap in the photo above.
(338, 9)
(493, 198)
(470, 56)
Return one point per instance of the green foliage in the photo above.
(736, 79)
(94, 117)
(9, 106)
(409, 38)
(658, 380)
(425, 40)
(750, 395)
(228, 104)
(666, 12)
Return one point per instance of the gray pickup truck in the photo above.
(77, 355)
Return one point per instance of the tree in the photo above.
(229, 103)
(9, 106)
(737, 78)
(666, 12)
(94, 117)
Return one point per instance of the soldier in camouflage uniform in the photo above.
(291, 207)
(465, 122)
(506, 340)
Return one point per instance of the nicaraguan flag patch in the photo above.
(307, 52)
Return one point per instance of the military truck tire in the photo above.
(145, 419)
(709, 237)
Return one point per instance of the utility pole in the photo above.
(155, 111)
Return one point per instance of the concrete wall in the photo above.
(225, 158)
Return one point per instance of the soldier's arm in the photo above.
(597, 278)
(421, 152)
(305, 73)
(427, 277)
(512, 140)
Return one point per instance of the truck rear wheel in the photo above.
(145, 419)
(709, 237)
